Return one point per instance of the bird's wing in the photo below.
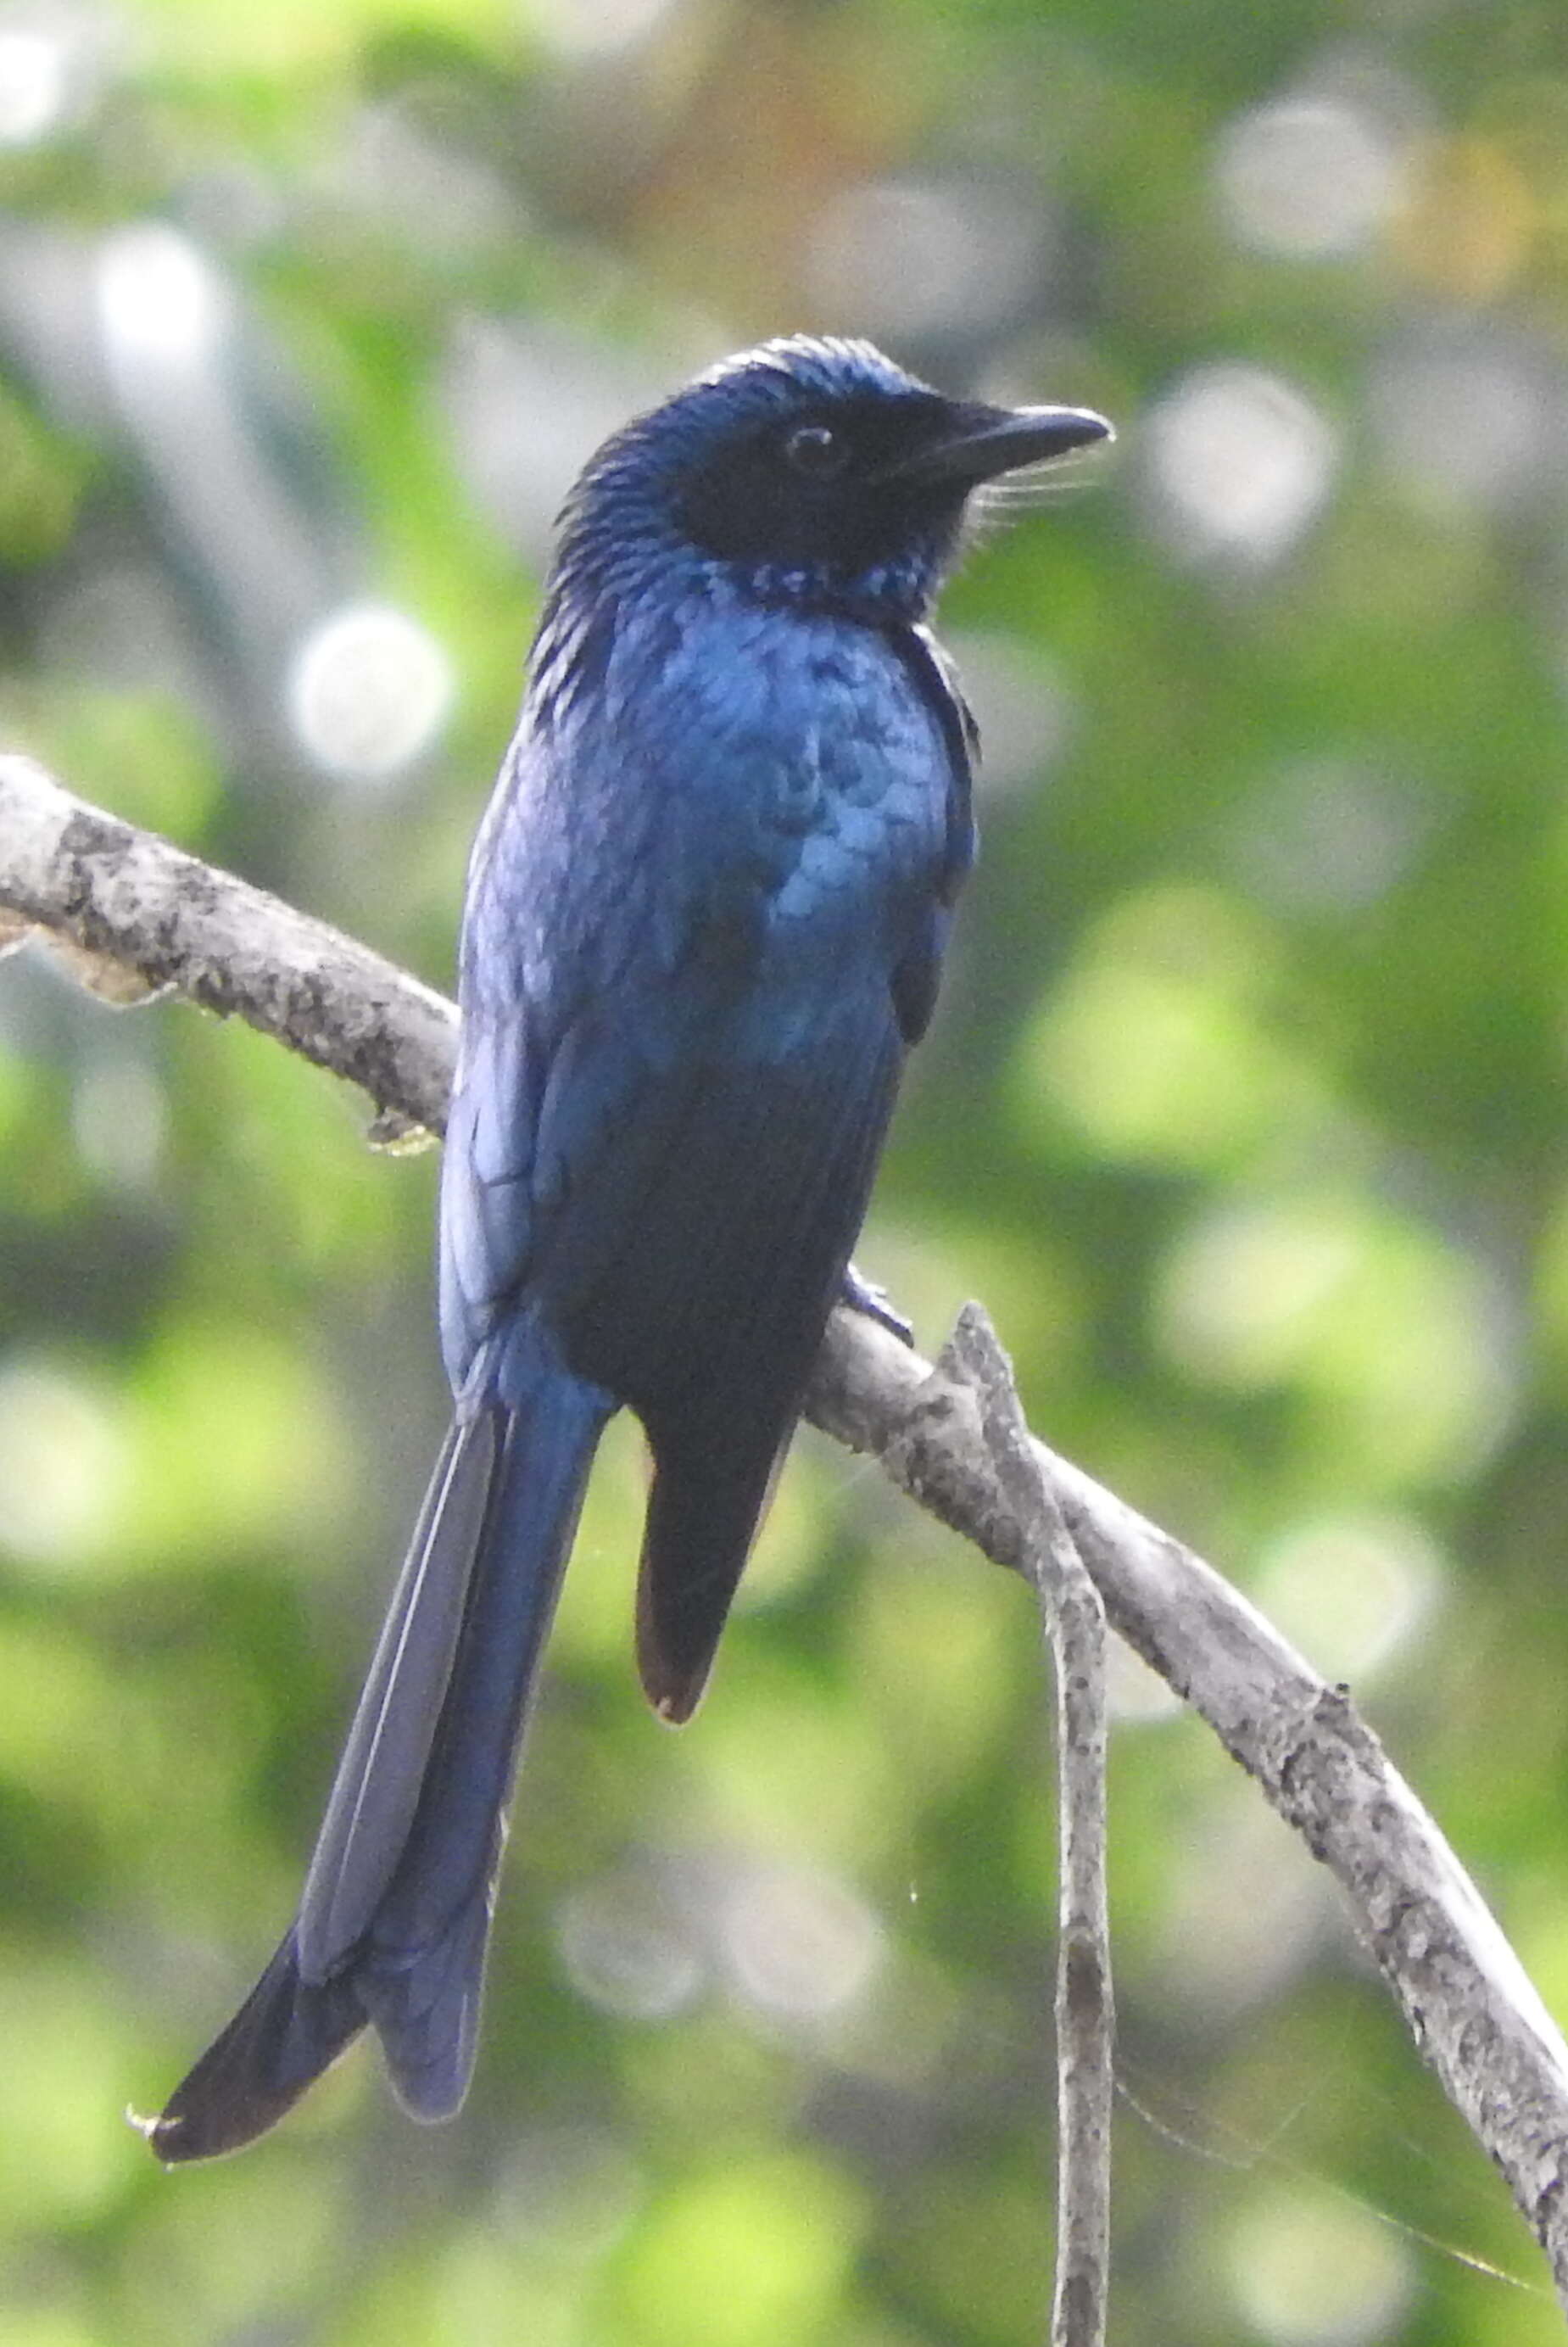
(756, 1216)
(655, 960)
(936, 680)
(564, 975)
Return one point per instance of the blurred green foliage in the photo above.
(1243, 1112)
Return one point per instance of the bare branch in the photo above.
(1471, 2010)
(134, 918)
(178, 924)
(1074, 1623)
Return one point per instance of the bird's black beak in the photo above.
(983, 441)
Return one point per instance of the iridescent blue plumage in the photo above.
(705, 919)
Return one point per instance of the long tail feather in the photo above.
(395, 1917)
(701, 1526)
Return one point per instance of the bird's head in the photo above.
(811, 474)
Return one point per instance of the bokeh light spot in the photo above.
(627, 1949)
(119, 1115)
(1389, 1332)
(1351, 1591)
(33, 85)
(907, 257)
(162, 304)
(1307, 177)
(1330, 835)
(799, 1944)
(368, 692)
(1311, 2271)
(1156, 1042)
(1469, 423)
(1240, 462)
(64, 1465)
(597, 28)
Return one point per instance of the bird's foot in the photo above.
(860, 1294)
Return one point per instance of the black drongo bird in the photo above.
(706, 917)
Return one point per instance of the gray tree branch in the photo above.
(151, 918)
(135, 917)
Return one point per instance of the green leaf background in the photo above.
(1244, 1112)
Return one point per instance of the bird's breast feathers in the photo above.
(767, 745)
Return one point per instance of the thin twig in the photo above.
(86, 877)
(1074, 1623)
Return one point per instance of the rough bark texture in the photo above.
(151, 919)
(135, 917)
(1075, 1622)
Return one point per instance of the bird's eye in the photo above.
(817, 451)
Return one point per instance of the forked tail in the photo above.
(395, 1912)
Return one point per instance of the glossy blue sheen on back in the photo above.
(706, 917)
